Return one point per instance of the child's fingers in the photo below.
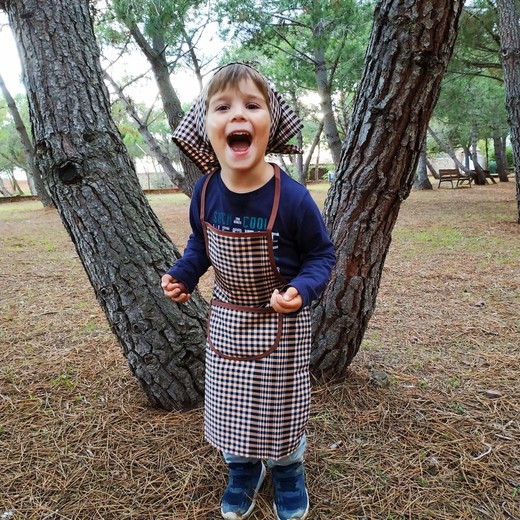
(166, 280)
(281, 303)
(175, 290)
(290, 294)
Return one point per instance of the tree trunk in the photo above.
(441, 144)
(421, 181)
(499, 156)
(308, 159)
(323, 82)
(3, 189)
(33, 175)
(93, 184)
(175, 177)
(14, 183)
(480, 176)
(298, 158)
(510, 52)
(434, 173)
(171, 103)
(411, 44)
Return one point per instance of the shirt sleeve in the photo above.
(194, 262)
(317, 254)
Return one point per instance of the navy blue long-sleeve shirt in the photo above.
(304, 254)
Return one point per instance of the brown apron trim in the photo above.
(276, 200)
(201, 211)
(203, 197)
(261, 310)
(255, 310)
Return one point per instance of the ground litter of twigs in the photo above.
(426, 426)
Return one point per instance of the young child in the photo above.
(264, 237)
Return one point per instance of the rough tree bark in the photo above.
(508, 16)
(411, 44)
(93, 184)
(33, 175)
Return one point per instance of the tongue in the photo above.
(239, 145)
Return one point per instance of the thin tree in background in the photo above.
(422, 182)
(33, 175)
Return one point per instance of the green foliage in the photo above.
(170, 27)
(157, 125)
(472, 92)
(283, 38)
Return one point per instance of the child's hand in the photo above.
(286, 302)
(174, 289)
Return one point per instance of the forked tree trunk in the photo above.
(93, 184)
(508, 15)
(409, 50)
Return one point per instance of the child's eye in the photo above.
(252, 106)
(221, 107)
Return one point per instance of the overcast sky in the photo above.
(186, 86)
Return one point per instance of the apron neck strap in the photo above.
(276, 200)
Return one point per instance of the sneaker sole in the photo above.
(234, 516)
(305, 514)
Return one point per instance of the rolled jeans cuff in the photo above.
(298, 455)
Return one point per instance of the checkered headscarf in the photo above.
(190, 136)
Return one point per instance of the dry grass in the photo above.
(79, 441)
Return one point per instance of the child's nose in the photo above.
(238, 113)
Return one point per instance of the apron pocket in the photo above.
(243, 333)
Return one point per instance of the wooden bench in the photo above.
(450, 175)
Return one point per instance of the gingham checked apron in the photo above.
(257, 387)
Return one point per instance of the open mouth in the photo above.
(239, 141)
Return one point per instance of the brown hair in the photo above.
(231, 75)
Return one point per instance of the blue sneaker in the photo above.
(291, 500)
(245, 479)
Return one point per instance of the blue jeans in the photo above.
(296, 456)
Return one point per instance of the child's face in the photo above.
(237, 124)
